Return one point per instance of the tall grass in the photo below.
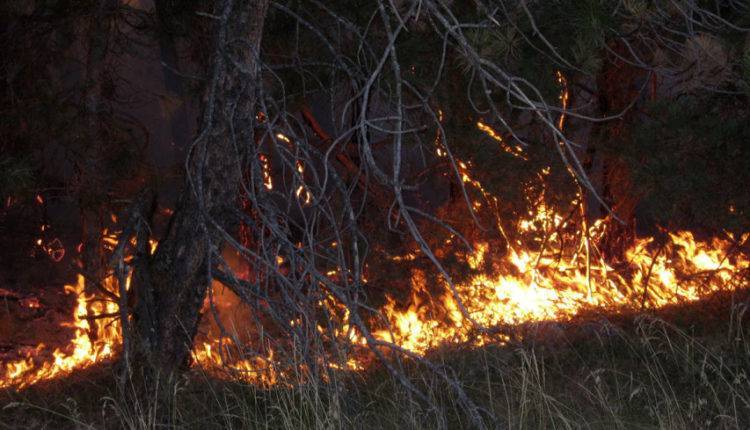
(641, 372)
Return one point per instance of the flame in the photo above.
(266, 171)
(302, 193)
(564, 98)
(516, 150)
(538, 286)
(530, 284)
(217, 358)
(94, 340)
(527, 283)
(537, 276)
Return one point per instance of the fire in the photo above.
(94, 340)
(216, 358)
(536, 286)
(553, 269)
(528, 283)
(531, 283)
(266, 171)
(516, 150)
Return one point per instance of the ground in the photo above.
(33, 302)
(685, 366)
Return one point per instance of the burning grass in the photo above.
(549, 264)
(538, 326)
(500, 292)
(685, 366)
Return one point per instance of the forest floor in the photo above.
(682, 367)
(33, 303)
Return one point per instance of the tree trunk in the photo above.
(92, 192)
(171, 287)
(619, 88)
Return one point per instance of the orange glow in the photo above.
(302, 193)
(516, 150)
(259, 370)
(527, 283)
(94, 340)
(564, 98)
(535, 286)
(548, 271)
(266, 171)
(54, 249)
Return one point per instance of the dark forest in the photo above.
(375, 214)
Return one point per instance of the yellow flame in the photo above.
(526, 282)
(94, 340)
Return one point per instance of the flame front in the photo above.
(95, 339)
(525, 286)
(536, 278)
(534, 286)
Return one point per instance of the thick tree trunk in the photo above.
(170, 289)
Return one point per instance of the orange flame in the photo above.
(94, 340)
(536, 286)
(526, 283)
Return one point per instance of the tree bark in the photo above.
(171, 288)
(618, 88)
(92, 192)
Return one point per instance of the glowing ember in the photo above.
(266, 171)
(516, 150)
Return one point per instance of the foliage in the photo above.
(691, 162)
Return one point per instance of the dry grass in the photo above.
(616, 373)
